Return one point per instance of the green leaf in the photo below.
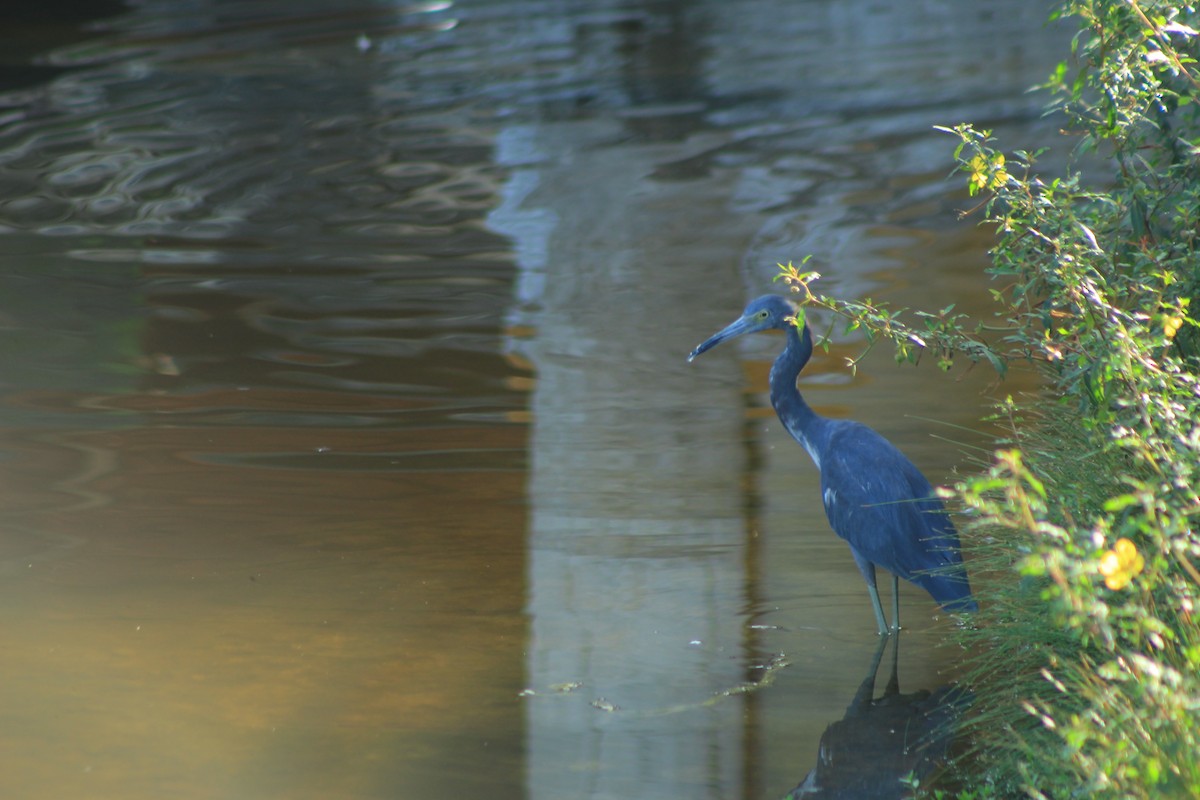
(1121, 502)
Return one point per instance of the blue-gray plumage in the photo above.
(875, 498)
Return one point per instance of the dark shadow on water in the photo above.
(29, 30)
(881, 741)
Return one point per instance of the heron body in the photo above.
(875, 498)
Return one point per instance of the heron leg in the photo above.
(868, 572)
(895, 603)
(878, 607)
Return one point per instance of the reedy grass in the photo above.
(1022, 659)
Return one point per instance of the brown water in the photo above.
(347, 445)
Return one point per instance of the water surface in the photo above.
(347, 444)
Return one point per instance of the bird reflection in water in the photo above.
(880, 742)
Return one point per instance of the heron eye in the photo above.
(762, 314)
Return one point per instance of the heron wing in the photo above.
(879, 502)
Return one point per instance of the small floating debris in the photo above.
(563, 688)
(554, 688)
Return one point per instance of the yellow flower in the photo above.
(1119, 565)
(1171, 326)
(987, 173)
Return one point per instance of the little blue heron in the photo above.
(875, 498)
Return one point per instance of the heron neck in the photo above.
(804, 424)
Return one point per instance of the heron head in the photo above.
(764, 313)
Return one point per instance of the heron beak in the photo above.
(737, 328)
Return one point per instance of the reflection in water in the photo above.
(343, 393)
(882, 740)
(636, 544)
